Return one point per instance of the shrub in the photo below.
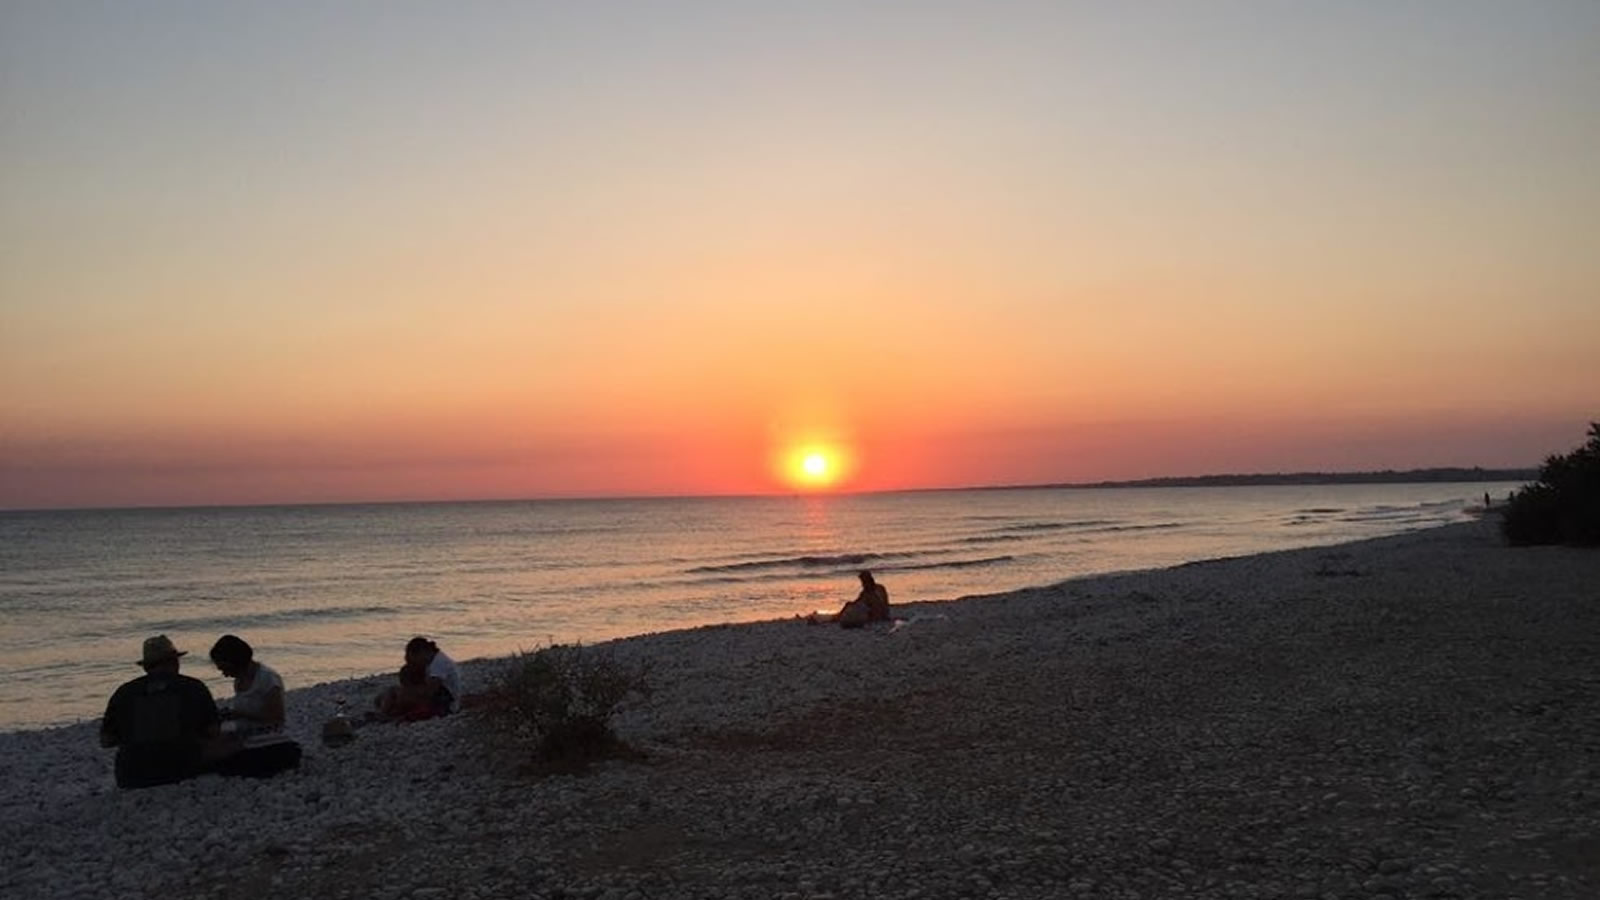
(1563, 506)
(555, 705)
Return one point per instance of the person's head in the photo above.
(420, 650)
(232, 655)
(159, 655)
(866, 578)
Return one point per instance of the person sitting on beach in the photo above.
(161, 722)
(410, 699)
(252, 742)
(430, 685)
(257, 690)
(876, 597)
(871, 605)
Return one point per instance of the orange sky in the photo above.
(523, 251)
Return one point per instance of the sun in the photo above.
(814, 467)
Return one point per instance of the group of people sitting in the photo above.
(167, 727)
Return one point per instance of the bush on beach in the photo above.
(554, 706)
(1563, 506)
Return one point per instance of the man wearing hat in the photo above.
(159, 722)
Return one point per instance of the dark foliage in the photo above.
(555, 706)
(1563, 506)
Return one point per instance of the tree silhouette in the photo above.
(1563, 506)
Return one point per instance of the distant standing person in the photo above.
(160, 722)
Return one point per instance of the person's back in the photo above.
(878, 603)
(443, 668)
(874, 598)
(159, 724)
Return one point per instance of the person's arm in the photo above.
(109, 735)
(437, 688)
(438, 671)
(272, 711)
(856, 612)
(208, 720)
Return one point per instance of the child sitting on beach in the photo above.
(409, 700)
(430, 685)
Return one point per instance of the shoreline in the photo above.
(476, 669)
(1410, 715)
(273, 584)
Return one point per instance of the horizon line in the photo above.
(1394, 476)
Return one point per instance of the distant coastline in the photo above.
(1384, 476)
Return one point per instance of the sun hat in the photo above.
(159, 649)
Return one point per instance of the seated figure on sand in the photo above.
(871, 605)
(252, 742)
(430, 685)
(161, 722)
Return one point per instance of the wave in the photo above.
(238, 621)
(1026, 530)
(991, 538)
(1389, 515)
(951, 564)
(801, 562)
(1027, 527)
(841, 571)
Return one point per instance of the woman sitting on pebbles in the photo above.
(871, 605)
(430, 685)
(252, 741)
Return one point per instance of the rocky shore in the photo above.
(1415, 716)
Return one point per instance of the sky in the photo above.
(304, 252)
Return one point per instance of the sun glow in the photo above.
(814, 467)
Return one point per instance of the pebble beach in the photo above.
(1409, 716)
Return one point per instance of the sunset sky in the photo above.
(283, 252)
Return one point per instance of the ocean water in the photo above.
(327, 592)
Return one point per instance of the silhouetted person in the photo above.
(876, 597)
(161, 722)
(430, 684)
(257, 703)
(253, 743)
(871, 605)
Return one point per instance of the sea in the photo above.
(326, 592)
